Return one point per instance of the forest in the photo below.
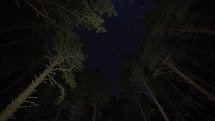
(43, 76)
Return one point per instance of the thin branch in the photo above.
(25, 107)
(59, 6)
(32, 103)
(61, 69)
(38, 12)
(61, 97)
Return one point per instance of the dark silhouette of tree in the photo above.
(92, 86)
(130, 88)
(139, 77)
(159, 61)
(176, 16)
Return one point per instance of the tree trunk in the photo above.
(183, 97)
(137, 111)
(141, 108)
(94, 112)
(174, 106)
(187, 29)
(139, 72)
(191, 82)
(80, 107)
(175, 88)
(157, 103)
(14, 105)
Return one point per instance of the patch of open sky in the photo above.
(106, 51)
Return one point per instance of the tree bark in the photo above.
(191, 82)
(174, 106)
(94, 112)
(141, 108)
(175, 88)
(157, 103)
(183, 97)
(14, 105)
(138, 71)
(187, 29)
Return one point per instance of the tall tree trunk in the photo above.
(190, 81)
(139, 73)
(138, 114)
(156, 102)
(174, 106)
(183, 97)
(187, 29)
(14, 105)
(140, 108)
(94, 112)
(175, 88)
(80, 107)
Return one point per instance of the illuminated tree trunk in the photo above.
(14, 105)
(189, 81)
(183, 97)
(139, 74)
(156, 102)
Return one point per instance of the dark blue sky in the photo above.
(106, 51)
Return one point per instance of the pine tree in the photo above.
(159, 61)
(66, 58)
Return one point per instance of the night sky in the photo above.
(177, 52)
(106, 51)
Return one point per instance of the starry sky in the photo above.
(106, 51)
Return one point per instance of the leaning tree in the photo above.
(159, 61)
(65, 58)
